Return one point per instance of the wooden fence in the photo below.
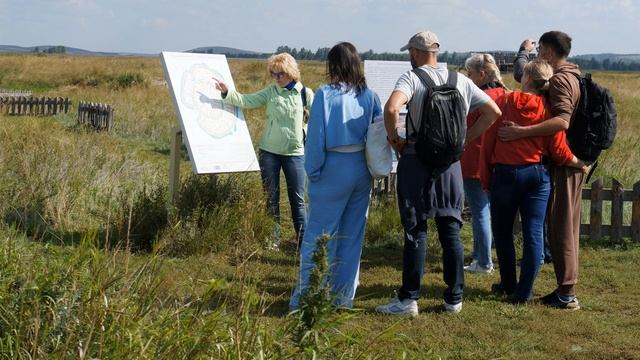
(22, 105)
(98, 116)
(597, 194)
(14, 93)
(618, 196)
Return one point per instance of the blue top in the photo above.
(337, 118)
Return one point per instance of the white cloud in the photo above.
(490, 17)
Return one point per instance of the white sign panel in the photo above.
(215, 133)
(382, 75)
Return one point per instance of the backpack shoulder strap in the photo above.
(426, 79)
(452, 80)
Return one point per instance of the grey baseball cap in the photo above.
(424, 40)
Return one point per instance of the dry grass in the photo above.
(221, 295)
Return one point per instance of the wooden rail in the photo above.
(597, 194)
(14, 93)
(22, 105)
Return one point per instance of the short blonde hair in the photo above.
(284, 62)
(486, 63)
(539, 71)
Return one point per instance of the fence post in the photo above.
(617, 207)
(595, 215)
(635, 213)
(110, 120)
(20, 101)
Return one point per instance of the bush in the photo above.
(128, 79)
(139, 223)
(214, 213)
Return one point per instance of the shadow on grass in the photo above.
(36, 228)
(390, 255)
(31, 222)
(279, 308)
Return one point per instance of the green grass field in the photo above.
(93, 267)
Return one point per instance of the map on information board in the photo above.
(215, 133)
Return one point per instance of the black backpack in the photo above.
(443, 126)
(593, 127)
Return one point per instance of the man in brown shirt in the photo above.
(565, 201)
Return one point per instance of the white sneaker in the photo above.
(474, 267)
(453, 308)
(399, 307)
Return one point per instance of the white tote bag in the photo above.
(378, 149)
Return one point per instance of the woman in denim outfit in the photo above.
(282, 142)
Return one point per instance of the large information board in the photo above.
(215, 133)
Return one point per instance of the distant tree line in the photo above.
(451, 58)
(454, 58)
(51, 50)
(606, 64)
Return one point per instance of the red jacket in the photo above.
(523, 109)
(470, 159)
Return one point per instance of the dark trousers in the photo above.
(422, 195)
(414, 255)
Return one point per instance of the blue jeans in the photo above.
(293, 168)
(478, 201)
(527, 188)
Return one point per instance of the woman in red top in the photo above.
(483, 71)
(517, 180)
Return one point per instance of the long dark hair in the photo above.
(343, 67)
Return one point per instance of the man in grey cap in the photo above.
(421, 192)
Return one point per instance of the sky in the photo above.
(152, 26)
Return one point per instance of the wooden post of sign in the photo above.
(174, 164)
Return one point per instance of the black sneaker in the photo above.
(552, 300)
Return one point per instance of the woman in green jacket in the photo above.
(282, 142)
